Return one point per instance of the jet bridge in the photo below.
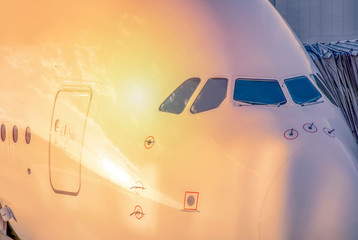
(338, 64)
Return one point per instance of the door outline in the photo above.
(76, 89)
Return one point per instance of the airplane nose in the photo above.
(314, 196)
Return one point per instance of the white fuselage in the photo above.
(89, 77)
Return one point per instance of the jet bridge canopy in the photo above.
(338, 64)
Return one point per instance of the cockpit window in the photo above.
(177, 101)
(211, 96)
(319, 81)
(260, 92)
(302, 90)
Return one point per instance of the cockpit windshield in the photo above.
(302, 90)
(211, 96)
(261, 92)
(320, 84)
(177, 101)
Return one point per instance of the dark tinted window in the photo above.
(211, 96)
(258, 92)
(302, 90)
(3, 132)
(28, 135)
(319, 81)
(15, 134)
(177, 101)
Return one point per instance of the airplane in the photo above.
(190, 119)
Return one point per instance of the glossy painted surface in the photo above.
(138, 166)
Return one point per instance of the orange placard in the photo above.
(191, 200)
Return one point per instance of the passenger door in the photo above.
(68, 125)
